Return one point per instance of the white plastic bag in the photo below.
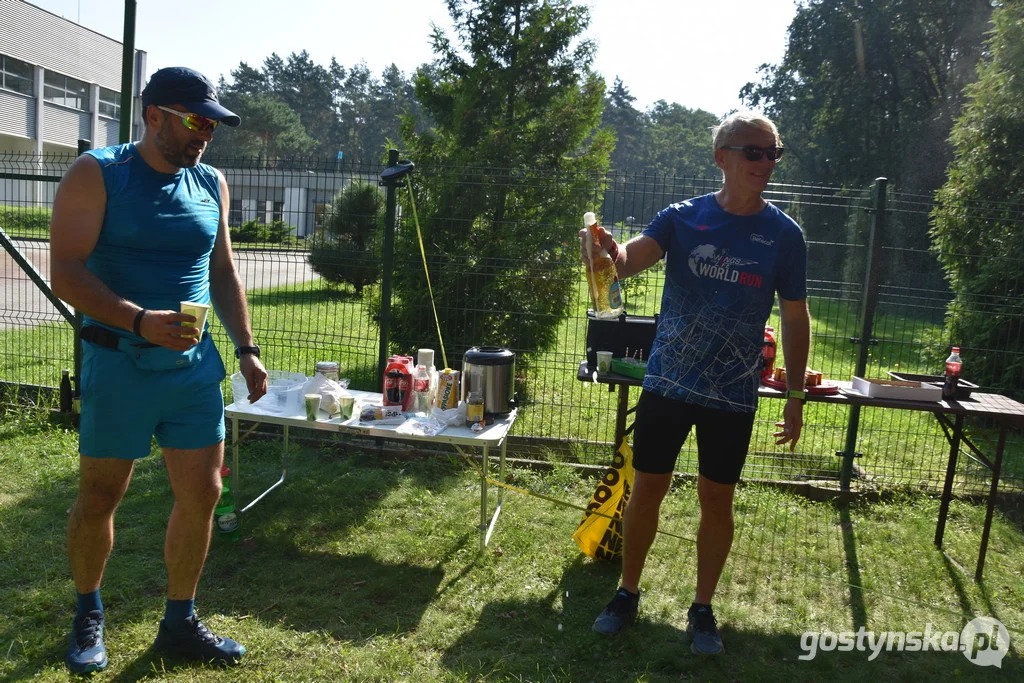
(329, 390)
(421, 425)
(452, 417)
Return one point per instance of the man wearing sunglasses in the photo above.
(136, 230)
(727, 255)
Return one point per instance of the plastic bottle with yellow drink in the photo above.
(602, 278)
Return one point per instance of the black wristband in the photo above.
(252, 350)
(137, 325)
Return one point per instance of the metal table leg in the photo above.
(947, 488)
(486, 537)
(996, 467)
(284, 467)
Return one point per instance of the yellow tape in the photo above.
(556, 501)
(426, 272)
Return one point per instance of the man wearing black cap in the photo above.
(136, 230)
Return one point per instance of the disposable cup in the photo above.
(312, 406)
(200, 311)
(345, 405)
(604, 361)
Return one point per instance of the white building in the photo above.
(59, 82)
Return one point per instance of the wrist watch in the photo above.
(799, 394)
(254, 350)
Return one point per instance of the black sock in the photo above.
(87, 602)
(697, 605)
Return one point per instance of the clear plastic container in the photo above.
(284, 397)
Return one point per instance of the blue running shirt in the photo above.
(721, 277)
(158, 233)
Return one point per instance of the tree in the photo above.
(977, 223)
(270, 130)
(514, 100)
(871, 88)
(629, 124)
(347, 249)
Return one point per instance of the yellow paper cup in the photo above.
(200, 311)
(312, 406)
(346, 403)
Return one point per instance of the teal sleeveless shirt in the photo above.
(158, 232)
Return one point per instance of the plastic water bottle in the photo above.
(953, 367)
(425, 357)
(602, 278)
(768, 353)
(421, 390)
(227, 518)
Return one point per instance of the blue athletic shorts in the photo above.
(663, 424)
(123, 406)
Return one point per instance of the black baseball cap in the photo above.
(190, 89)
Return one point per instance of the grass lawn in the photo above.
(365, 566)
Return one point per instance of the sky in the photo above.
(698, 53)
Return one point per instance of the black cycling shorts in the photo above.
(663, 424)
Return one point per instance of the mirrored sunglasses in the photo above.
(195, 122)
(755, 153)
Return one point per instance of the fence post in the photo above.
(127, 72)
(384, 318)
(869, 301)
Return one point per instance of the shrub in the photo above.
(25, 221)
(346, 249)
(252, 232)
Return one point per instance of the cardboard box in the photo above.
(897, 389)
(963, 387)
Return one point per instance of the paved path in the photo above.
(23, 305)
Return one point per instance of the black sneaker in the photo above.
(619, 613)
(192, 640)
(703, 630)
(86, 651)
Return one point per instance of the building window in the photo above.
(235, 212)
(278, 211)
(66, 91)
(17, 75)
(110, 103)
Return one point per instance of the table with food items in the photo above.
(899, 391)
(472, 408)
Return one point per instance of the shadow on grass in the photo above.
(858, 611)
(550, 638)
(285, 570)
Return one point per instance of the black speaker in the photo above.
(627, 333)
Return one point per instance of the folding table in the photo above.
(493, 436)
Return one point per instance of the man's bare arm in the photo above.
(78, 212)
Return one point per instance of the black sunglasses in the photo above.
(755, 153)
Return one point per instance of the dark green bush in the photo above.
(346, 249)
(252, 232)
(25, 221)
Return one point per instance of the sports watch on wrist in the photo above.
(799, 394)
(254, 350)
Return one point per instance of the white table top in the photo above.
(492, 435)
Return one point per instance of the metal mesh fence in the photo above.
(309, 305)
